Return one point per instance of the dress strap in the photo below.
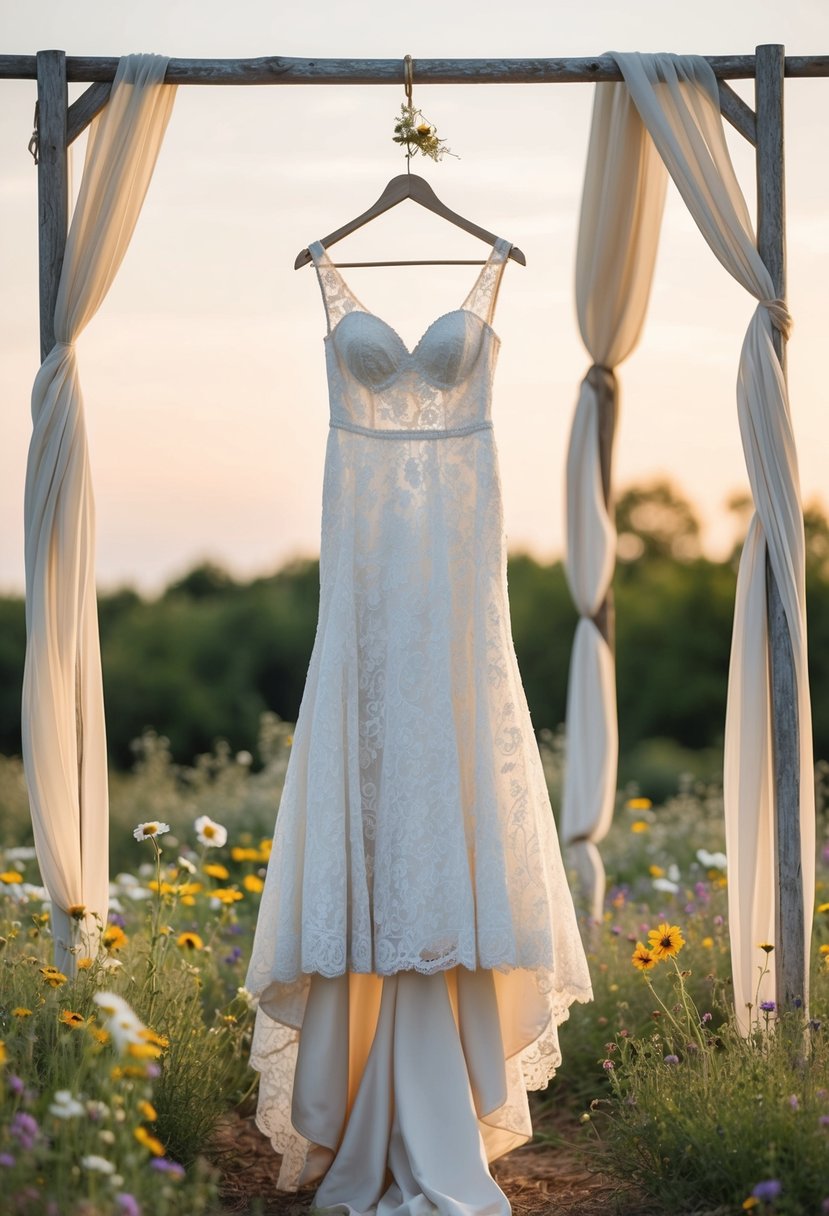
(337, 296)
(484, 294)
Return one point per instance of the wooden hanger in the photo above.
(410, 185)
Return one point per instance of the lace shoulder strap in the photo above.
(337, 296)
(484, 295)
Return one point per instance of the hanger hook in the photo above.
(408, 77)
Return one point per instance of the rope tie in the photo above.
(779, 316)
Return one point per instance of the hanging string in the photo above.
(408, 84)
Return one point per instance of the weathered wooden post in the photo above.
(790, 956)
(52, 186)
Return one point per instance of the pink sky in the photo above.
(203, 372)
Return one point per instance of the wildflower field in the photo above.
(115, 1083)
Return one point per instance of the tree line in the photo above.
(204, 659)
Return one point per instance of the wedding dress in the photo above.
(417, 944)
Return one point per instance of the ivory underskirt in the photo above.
(393, 1093)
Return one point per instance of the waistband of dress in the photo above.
(451, 432)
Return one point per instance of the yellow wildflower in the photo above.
(824, 949)
(166, 888)
(750, 1203)
(76, 911)
(149, 1141)
(639, 825)
(240, 854)
(215, 869)
(3, 1053)
(143, 1051)
(252, 883)
(148, 1111)
(160, 1040)
(52, 976)
(666, 941)
(10, 877)
(71, 1019)
(188, 889)
(21, 1012)
(708, 943)
(642, 958)
(114, 937)
(638, 804)
(84, 964)
(227, 895)
(189, 941)
(767, 946)
(265, 847)
(656, 872)
(98, 1033)
(820, 907)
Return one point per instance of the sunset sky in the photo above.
(203, 372)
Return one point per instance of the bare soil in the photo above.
(551, 1176)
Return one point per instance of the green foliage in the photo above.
(207, 658)
(698, 1117)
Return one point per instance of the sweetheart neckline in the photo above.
(413, 352)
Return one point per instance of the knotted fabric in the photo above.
(675, 100)
(64, 740)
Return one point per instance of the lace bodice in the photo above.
(442, 386)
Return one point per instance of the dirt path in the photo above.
(541, 1179)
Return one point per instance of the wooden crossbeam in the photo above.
(285, 70)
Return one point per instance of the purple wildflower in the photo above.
(706, 1017)
(718, 922)
(824, 1120)
(6, 1159)
(15, 1084)
(127, 1204)
(165, 1166)
(794, 1102)
(825, 854)
(608, 1065)
(767, 1191)
(814, 1023)
(152, 1070)
(824, 1207)
(115, 918)
(24, 1129)
(768, 1006)
(671, 1059)
(234, 956)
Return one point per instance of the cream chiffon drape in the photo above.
(64, 740)
(675, 101)
(622, 201)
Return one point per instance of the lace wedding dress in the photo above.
(417, 944)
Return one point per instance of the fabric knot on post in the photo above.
(780, 316)
(600, 377)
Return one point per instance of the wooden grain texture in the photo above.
(790, 956)
(735, 111)
(82, 111)
(52, 186)
(279, 69)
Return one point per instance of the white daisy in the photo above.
(209, 833)
(64, 1106)
(98, 1165)
(145, 831)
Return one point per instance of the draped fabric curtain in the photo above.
(677, 100)
(64, 741)
(621, 213)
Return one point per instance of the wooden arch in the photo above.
(57, 125)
